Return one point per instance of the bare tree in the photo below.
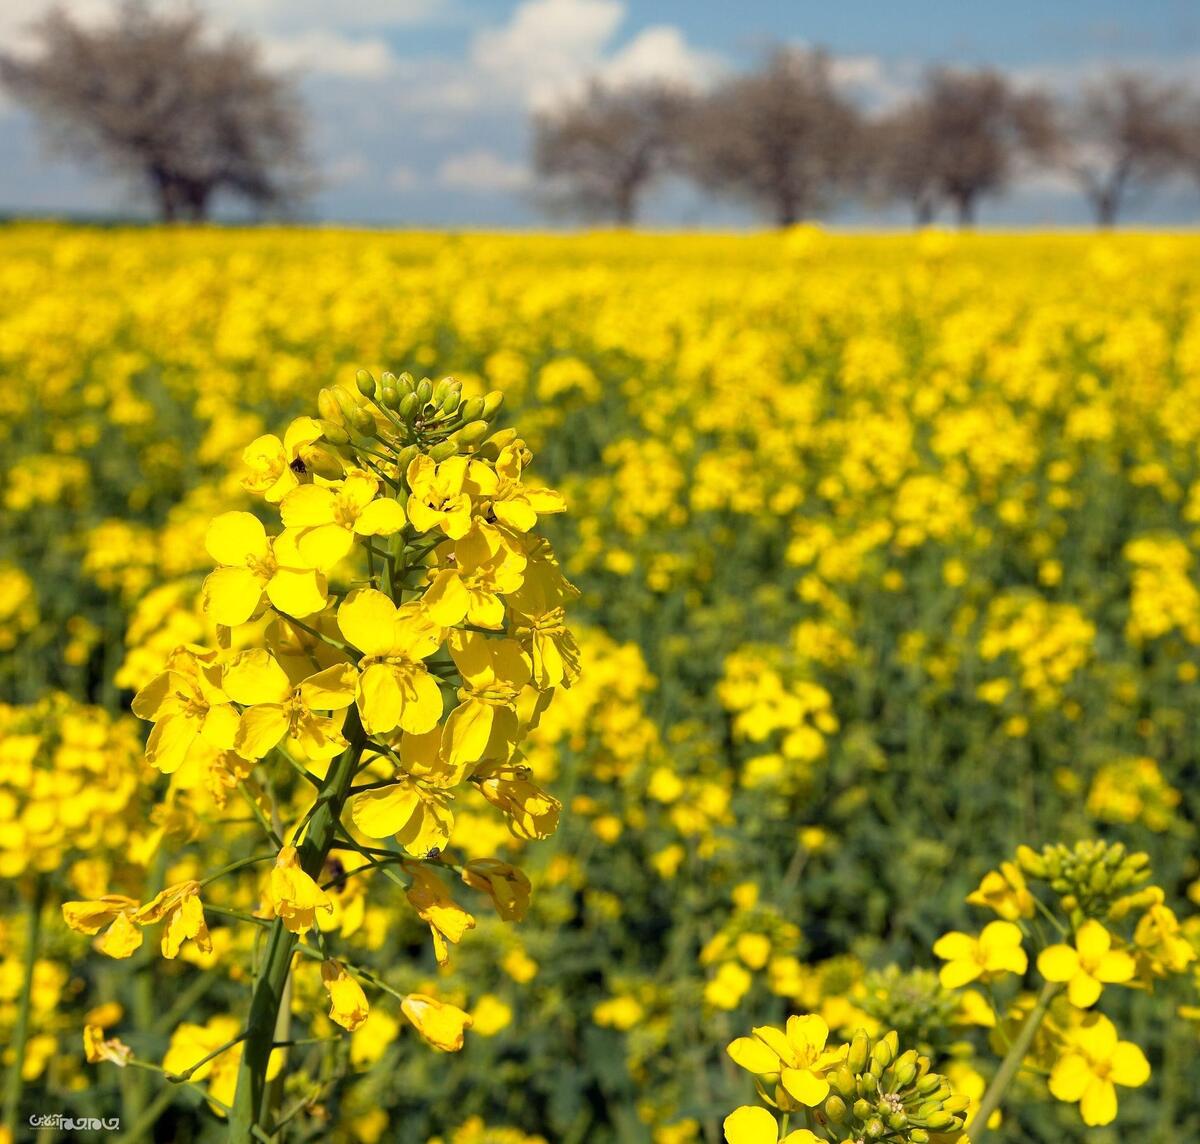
(960, 139)
(1118, 140)
(782, 138)
(154, 96)
(601, 151)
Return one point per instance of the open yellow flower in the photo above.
(484, 725)
(274, 708)
(539, 614)
(438, 499)
(1088, 967)
(752, 1124)
(193, 718)
(441, 1024)
(797, 1054)
(179, 907)
(1092, 1063)
(347, 1001)
(995, 952)
(277, 466)
(327, 519)
(1005, 892)
(478, 570)
(395, 688)
(122, 937)
(447, 920)
(97, 1049)
(251, 564)
(514, 504)
(507, 886)
(295, 897)
(532, 813)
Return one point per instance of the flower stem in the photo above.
(978, 1127)
(14, 1082)
(252, 1113)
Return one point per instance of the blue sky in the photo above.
(420, 108)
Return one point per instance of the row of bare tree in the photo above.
(157, 97)
(786, 139)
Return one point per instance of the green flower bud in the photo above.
(334, 433)
(928, 1083)
(363, 422)
(451, 400)
(473, 433)
(956, 1104)
(325, 464)
(424, 391)
(874, 1128)
(408, 407)
(472, 409)
(918, 1136)
(345, 402)
(860, 1050)
(939, 1120)
(492, 403)
(905, 1069)
(842, 1082)
(328, 407)
(884, 1051)
(868, 1084)
(405, 456)
(897, 1121)
(442, 450)
(835, 1109)
(862, 1109)
(365, 383)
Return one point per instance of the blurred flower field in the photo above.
(886, 550)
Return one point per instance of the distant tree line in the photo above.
(785, 139)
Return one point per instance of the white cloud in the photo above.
(322, 52)
(662, 53)
(345, 169)
(482, 171)
(402, 179)
(546, 44)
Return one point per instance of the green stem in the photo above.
(978, 1127)
(251, 1104)
(14, 1083)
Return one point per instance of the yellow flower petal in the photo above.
(386, 811)
(297, 593)
(231, 595)
(1058, 963)
(260, 730)
(367, 618)
(255, 677)
(751, 1124)
(235, 537)
(381, 518)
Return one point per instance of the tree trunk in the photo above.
(964, 207)
(923, 212)
(785, 211)
(168, 200)
(1104, 206)
(625, 207)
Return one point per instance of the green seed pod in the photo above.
(389, 396)
(860, 1051)
(835, 1109)
(443, 449)
(492, 403)
(333, 432)
(408, 407)
(472, 409)
(365, 383)
(424, 391)
(473, 433)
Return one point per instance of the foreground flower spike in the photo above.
(866, 1090)
(397, 636)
